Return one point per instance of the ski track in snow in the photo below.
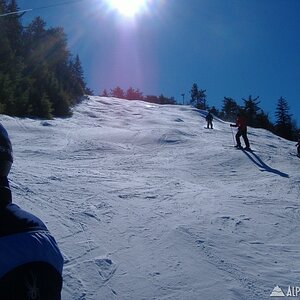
(147, 204)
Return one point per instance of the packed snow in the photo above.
(146, 203)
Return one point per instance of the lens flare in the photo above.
(128, 8)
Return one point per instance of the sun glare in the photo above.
(128, 8)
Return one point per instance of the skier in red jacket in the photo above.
(242, 131)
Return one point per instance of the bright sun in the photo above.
(128, 8)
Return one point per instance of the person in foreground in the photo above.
(242, 131)
(30, 261)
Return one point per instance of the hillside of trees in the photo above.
(38, 75)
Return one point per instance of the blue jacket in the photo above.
(24, 238)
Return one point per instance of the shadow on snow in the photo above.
(257, 160)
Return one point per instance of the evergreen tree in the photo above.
(62, 104)
(35, 43)
(89, 91)
(283, 125)
(194, 92)
(201, 102)
(78, 71)
(151, 99)
(263, 121)
(214, 111)
(14, 28)
(118, 93)
(77, 85)
(104, 93)
(251, 110)
(45, 108)
(165, 100)
(12, 82)
(6, 56)
(229, 109)
(132, 94)
(198, 97)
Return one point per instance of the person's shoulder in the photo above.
(16, 220)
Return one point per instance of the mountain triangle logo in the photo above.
(277, 292)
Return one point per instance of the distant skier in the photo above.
(30, 261)
(298, 146)
(242, 131)
(209, 118)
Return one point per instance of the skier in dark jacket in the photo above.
(209, 118)
(242, 131)
(30, 261)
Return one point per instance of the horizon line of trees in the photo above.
(39, 77)
(136, 94)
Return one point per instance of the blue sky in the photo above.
(232, 48)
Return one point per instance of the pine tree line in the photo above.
(136, 94)
(38, 75)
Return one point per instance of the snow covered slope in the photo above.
(147, 204)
